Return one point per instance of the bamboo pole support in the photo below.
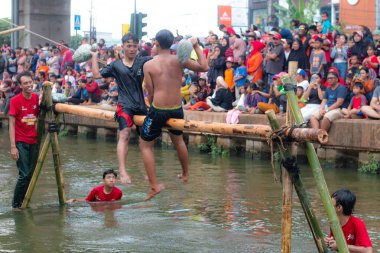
(58, 168)
(287, 195)
(263, 131)
(36, 172)
(301, 193)
(12, 30)
(317, 171)
(54, 144)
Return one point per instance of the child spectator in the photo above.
(69, 89)
(240, 75)
(368, 84)
(69, 77)
(233, 115)
(203, 93)
(371, 62)
(273, 95)
(326, 24)
(301, 100)
(357, 101)
(354, 65)
(317, 57)
(229, 74)
(43, 67)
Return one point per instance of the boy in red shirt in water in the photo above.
(106, 192)
(354, 229)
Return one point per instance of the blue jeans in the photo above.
(25, 165)
(342, 68)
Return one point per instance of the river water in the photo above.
(229, 205)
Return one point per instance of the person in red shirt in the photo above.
(23, 115)
(354, 229)
(93, 91)
(106, 192)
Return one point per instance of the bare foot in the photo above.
(184, 178)
(16, 209)
(154, 191)
(125, 178)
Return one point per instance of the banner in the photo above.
(224, 15)
(240, 17)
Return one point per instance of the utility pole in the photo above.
(15, 20)
(135, 21)
(332, 13)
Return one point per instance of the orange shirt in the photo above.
(229, 78)
(44, 69)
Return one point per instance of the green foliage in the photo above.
(6, 38)
(304, 12)
(75, 41)
(62, 133)
(370, 167)
(211, 147)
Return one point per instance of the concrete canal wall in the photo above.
(349, 140)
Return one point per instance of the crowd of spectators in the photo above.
(336, 72)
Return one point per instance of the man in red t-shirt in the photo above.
(23, 115)
(106, 192)
(354, 229)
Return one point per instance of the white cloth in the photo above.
(308, 110)
(304, 84)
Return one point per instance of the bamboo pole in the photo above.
(36, 172)
(12, 30)
(58, 168)
(263, 131)
(287, 195)
(317, 171)
(55, 145)
(302, 195)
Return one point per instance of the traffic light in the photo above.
(140, 25)
(133, 23)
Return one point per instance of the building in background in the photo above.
(360, 12)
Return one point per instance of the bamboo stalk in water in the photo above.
(36, 172)
(287, 194)
(302, 196)
(317, 172)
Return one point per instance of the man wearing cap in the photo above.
(93, 92)
(301, 79)
(129, 75)
(332, 102)
(274, 57)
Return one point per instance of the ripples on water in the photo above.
(230, 205)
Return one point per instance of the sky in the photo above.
(194, 17)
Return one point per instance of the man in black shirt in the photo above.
(129, 75)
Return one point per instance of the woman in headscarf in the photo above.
(359, 48)
(255, 62)
(217, 64)
(226, 50)
(298, 54)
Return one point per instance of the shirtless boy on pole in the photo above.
(163, 82)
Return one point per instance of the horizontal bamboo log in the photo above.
(264, 131)
(12, 30)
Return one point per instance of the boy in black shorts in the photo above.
(163, 77)
(129, 75)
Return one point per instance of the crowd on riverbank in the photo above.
(336, 73)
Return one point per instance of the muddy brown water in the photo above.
(229, 205)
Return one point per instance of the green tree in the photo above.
(75, 41)
(304, 12)
(6, 38)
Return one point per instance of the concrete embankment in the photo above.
(349, 140)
